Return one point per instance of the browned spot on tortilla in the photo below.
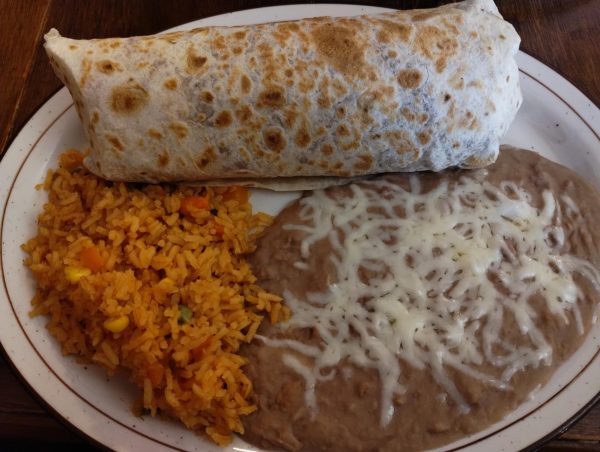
(477, 162)
(246, 84)
(290, 117)
(327, 149)
(245, 154)
(223, 119)
(365, 161)
(302, 138)
(440, 64)
(447, 97)
(457, 80)
(208, 156)
(207, 96)
(128, 99)
(163, 159)
(342, 130)
(450, 23)
(240, 34)
(153, 133)
(424, 137)
(272, 97)
(115, 43)
(384, 37)
(115, 142)
(306, 84)
(423, 117)
(502, 36)
(179, 129)
(171, 38)
(420, 16)
(73, 47)
(86, 67)
(95, 117)
(339, 87)
(274, 140)
(340, 47)
(340, 112)
(468, 121)
(237, 50)
(475, 84)
(243, 114)
(194, 61)
(324, 100)
(407, 114)
(219, 42)
(373, 76)
(324, 164)
(399, 140)
(392, 54)
(170, 83)
(395, 31)
(289, 26)
(106, 66)
(281, 37)
(201, 117)
(410, 78)
(288, 72)
(434, 43)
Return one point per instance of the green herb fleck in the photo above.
(185, 314)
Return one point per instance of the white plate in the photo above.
(555, 120)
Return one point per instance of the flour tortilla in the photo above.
(324, 97)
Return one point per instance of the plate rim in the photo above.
(573, 92)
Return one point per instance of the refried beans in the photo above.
(424, 307)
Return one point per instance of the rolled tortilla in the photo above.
(342, 97)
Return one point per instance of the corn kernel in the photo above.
(117, 325)
(167, 284)
(74, 274)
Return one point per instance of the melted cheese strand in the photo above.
(428, 279)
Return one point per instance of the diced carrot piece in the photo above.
(91, 258)
(198, 352)
(190, 203)
(155, 373)
(239, 194)
(219, 228)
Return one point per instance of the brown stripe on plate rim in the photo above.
(535, 444)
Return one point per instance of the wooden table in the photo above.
(561, 33)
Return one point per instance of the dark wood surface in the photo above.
(564, 34)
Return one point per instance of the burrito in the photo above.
(324, 98)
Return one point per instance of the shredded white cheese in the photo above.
(430, 299)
